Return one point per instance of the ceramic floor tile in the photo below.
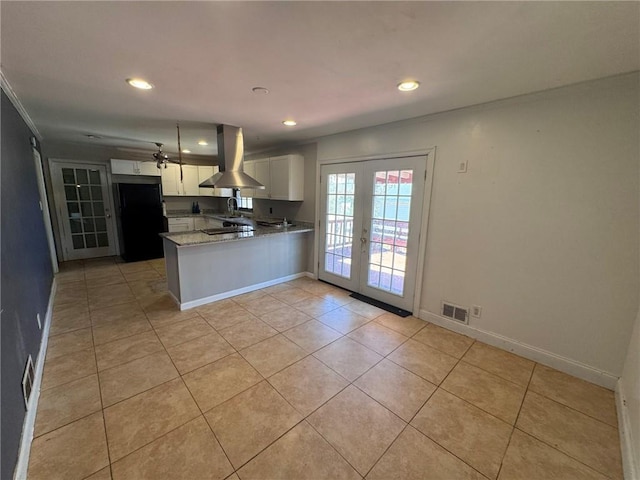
(228, 317)
(198, 352)
(378, 338)
(312, 336)
(586, 439)
(111, 279)
(134, 267)
(127, 349)
(104, 474)
(338, 296)
(489, 392)
(245, 334)
(150, 274)
(595, 401)
(146, 288)
(412, 455)
(129, 379)
(139, 420)
(343, 320)
(184, 331)
(357, 426)
(190, 452)
(364, 309)
(250, 421)
(431, 364)
(217, 307)
(161, 310)
(74, 451)
(61, 405)
(100, 271)
(528, 458)
(70, 317)
(407, 326)
(278, 288)
(499, 362)
(285, 318)
(73, 366)
(120, 329)
(307, 384)
(100, 297)
(272, 355)
(302, 282)
(248, 297)
(114, 313)
(264, 304)
(301, 454)
(472, 435)
(348, 358)
(219, 381)
(444, 340)
(69, 343)
(293, 296)
(71, 293)
(70, 276)
(318, 288)
(398, 389)
(316, 307)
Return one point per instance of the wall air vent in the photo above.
(28, 378)
(455, 312)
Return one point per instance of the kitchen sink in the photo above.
(223, 230)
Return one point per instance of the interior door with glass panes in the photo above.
(372, 213)
(84, 216)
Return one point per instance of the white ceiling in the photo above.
(332, 66)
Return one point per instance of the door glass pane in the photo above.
(87, 220)
(67, 176)
(339, 221)
(391, 205)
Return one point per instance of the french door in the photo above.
(82, 201)
(371, 213)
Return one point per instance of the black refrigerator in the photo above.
(141, 221)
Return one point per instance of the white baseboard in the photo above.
(20, 473)
(239, 291)
(630, 451)
(564, 364)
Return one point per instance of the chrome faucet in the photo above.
(230, 204)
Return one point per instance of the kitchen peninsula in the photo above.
(208, 265)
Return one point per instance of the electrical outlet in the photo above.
(476, 311)
(270, 210)
(28, 377)
(39, 321)
(462, 166)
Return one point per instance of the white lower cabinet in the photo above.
(181, 224)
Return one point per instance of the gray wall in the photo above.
(26, 274)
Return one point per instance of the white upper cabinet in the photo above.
(130, 167)
(171, 184)
(206, 171)
(282, 176)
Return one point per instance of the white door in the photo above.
(84, 215)
(372, 213)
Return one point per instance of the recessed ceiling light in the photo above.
(408, 86)
(184, 150)
(290, 123)
(261, 90)
(139, 83)
(203, 143)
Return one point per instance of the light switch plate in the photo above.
(462, 166)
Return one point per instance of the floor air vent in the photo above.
(455, 312)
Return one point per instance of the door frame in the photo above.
(44, 207)
(59, 218)
(430, 154)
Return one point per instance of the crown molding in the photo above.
(6, 87)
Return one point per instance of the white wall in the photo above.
(542, 231)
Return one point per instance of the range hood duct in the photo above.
(230, 160)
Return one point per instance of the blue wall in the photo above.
(26, 274)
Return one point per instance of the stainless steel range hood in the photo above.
(230, 158)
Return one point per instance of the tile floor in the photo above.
(291, 382)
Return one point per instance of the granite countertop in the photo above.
(197, 237)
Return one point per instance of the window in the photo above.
(244, 203)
